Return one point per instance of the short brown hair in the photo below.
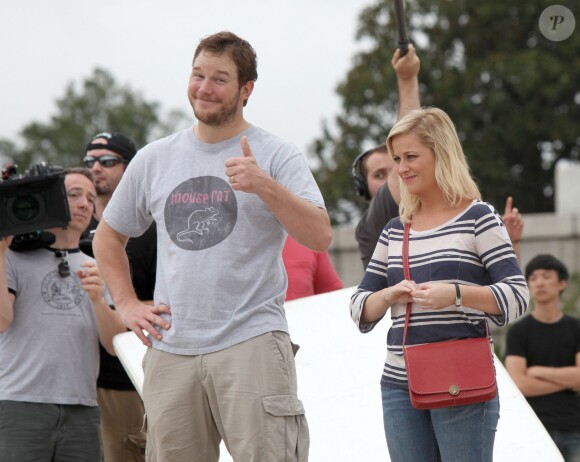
(239, 49)
(380, 149)
(81, 171)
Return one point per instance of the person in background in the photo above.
(371, 170)
(309, 273)
(223, 194)
(543, 355)
(464, 273)
(54, 314)
(376, 180)
(121, 408)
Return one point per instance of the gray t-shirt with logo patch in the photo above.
(50, 352)
(219, 264)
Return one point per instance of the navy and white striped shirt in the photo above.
(471, 249)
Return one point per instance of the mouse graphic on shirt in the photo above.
(198, 223)
(200, 212)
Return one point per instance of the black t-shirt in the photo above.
(142, 253)
(553, 345)
(374, 219)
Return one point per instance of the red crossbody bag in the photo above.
(449, 373)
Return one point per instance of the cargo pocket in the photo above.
(286, 429)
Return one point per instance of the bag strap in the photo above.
(406, 275)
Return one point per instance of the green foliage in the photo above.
(571, 296)
(100, 104)
(513, 95)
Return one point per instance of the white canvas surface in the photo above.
(339, 371)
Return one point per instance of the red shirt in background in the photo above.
(309, 272)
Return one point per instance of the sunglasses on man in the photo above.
(105, 161)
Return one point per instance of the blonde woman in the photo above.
(464, 273)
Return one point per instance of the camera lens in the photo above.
(25, 208)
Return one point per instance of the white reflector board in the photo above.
(339, 371)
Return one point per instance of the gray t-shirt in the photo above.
(50, 352)
(219, 251)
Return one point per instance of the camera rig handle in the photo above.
(9, 171)
(401, 27)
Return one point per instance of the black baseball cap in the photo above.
(116, 142)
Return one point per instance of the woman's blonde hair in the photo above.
(436, 131)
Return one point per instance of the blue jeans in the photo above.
(38, 432)
(568, 443)
(453, 434)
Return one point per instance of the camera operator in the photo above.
(53, 316)
(122, 411)
(374, 171)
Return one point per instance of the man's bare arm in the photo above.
(528, 385)
(308, 224)
(109, 250)
(568, 376)
(407, 70)
(6, 298)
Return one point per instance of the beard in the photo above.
(222, 116)
(102, 189)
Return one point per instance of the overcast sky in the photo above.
(304, 47)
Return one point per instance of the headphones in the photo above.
(360, 181)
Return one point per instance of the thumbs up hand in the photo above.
(243, 172)
(246, 147)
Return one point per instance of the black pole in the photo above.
(401, 28)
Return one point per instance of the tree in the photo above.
(100, 104)
(513, 95)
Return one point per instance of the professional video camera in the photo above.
(86, 243)
(32, 202)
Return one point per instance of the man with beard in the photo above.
(376, 179)
(121, 407)
(224, 194)
(373, 170)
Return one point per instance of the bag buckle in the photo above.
(454, 390)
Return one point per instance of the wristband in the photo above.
(458, 298)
